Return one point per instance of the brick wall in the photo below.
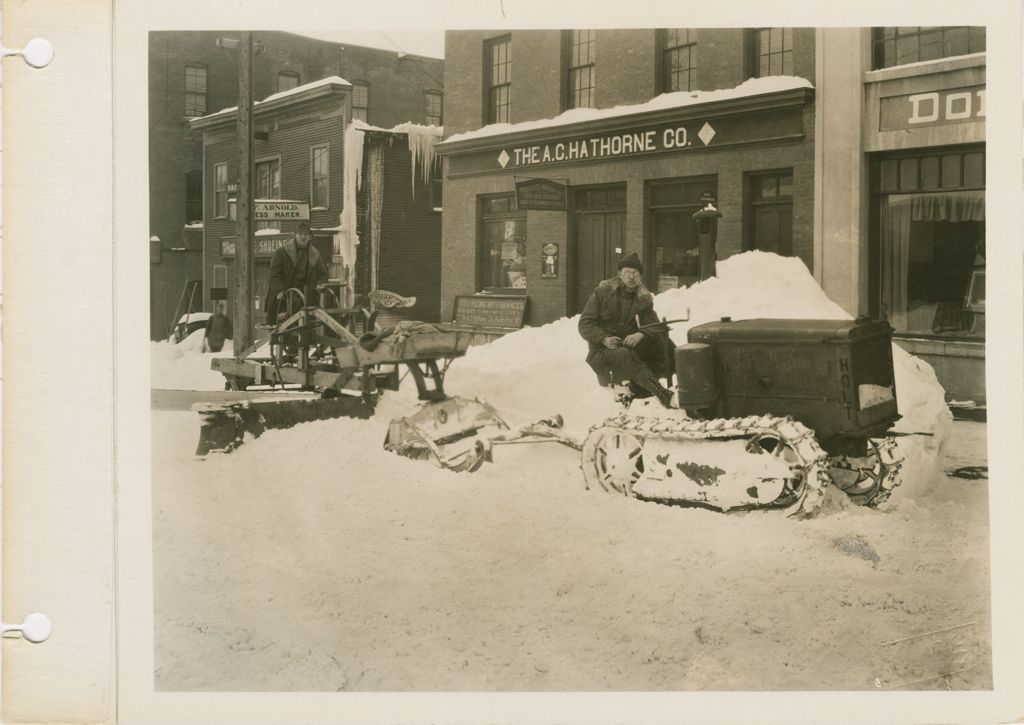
(626, 68)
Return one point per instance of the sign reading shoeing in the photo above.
(275, 211)
(491, 311)
(541, 194)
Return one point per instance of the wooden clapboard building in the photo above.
(366, 193)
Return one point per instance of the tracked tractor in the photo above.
(770, 413)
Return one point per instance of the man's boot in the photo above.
(663, 394)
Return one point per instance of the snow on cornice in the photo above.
(329, 80)
(679, 99)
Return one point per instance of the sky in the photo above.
(418, 42)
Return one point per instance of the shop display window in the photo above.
(931, 251)
(502, 244)
(671, 205)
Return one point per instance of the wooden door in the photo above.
(598, 236)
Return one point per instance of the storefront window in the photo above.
(502, 243)
(932, 244)
(670, 209)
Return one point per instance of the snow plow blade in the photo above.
(454, 433)
(224, 426)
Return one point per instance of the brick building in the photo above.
(640, 126)
(190, 76)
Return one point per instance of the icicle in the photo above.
(374, 168)
(352, 182)
(421, 149)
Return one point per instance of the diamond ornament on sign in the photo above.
(503, 158)
(706, 133)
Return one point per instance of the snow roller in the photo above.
(315, 351)
(770, 413)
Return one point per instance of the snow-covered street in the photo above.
(366, 571)
(312, 559)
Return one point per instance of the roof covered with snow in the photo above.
(681, 99)
(316, 89)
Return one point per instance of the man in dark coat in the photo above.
(296, 264)
(619, 350)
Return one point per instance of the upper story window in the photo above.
(320, 177)
(193, 196)
(361, 101)
(498, 79)
(432, 108)
(899, 46)
(195, 90)
(268, 186)
(581, 47)
(772, 52)
(268, 179)
(286, 80)
(220, 190)
(678, 59)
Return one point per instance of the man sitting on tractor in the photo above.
(621, 327)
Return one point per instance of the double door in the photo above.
(600, 238)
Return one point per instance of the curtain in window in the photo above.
(896, 215)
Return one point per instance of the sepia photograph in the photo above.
(554, 359)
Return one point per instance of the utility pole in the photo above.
(244, 264)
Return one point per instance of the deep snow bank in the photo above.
(184, 366)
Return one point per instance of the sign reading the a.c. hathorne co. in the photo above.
(274, 210)
(617, 139)
(626, 143)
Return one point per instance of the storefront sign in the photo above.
(541, 194)
(493, 311)
(262, 246)
(628, 143)
(266, 211)
(935, 108)
(639, 140)
(549, 261)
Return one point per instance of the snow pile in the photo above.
(750, 87)
(185, 366)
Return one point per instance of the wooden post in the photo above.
(244, 265)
